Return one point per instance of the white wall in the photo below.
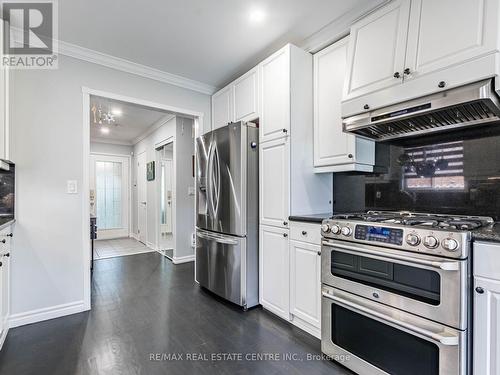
(47, 147)
(110, 148)
(180, 130)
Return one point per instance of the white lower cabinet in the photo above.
(305, 286)
(4, 283)
(486, 325)
(290, 274)
(274, 270)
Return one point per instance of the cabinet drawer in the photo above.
(487, 260)
(306, 232)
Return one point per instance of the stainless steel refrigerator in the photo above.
(227, 206)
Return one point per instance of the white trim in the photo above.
(339, 27)
(185, 259)
(46, 313)
(134, 236)
(110, 141)
(127, 254)
(157, 125)
(150, 245)
(124, 65)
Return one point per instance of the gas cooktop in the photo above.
(433, 234)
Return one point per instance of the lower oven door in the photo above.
(373, 339)
(429, 286)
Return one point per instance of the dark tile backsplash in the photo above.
(445, 175)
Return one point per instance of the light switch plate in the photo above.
(71, 187)
(190, 190)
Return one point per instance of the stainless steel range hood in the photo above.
(465, 106)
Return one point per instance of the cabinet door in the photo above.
(222, 107)
(486, 327)
(245, 99)
(331, 145)
(3, 295)
(4, 106)
(274, 270)
(5, 287)
(275, 96)
(435, 44)
(274, 162)
(377, 50)
(305, 282)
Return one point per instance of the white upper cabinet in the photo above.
(246, 98)
(274, 183)
(427, 45)
(4, 105)
(434, 43)
(334, 150)
(222, 107)
(275, 95)
(377, 50)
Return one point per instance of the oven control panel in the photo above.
(379, 234)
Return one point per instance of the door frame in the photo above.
(158, 192)
(136, 235)
(198, 118)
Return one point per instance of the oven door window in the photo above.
(387, 348)
(413, 282)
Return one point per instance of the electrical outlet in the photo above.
(190, 190)
(71, 187)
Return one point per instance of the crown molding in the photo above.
(110, 141)
(339, 27)
(85, 54)
(155, 126)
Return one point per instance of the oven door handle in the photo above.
(448, 340)
(446, 266)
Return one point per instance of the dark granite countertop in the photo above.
(489, 233)
(314, 218)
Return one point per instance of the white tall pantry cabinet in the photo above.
(288, 184)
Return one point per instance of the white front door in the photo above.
(142, 209)
(110, 189)
(167, 173)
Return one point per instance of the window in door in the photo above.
(109, 194)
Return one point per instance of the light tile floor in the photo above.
(118, 247)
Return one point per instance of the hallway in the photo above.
(144, 305)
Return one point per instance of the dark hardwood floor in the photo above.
(142, 305)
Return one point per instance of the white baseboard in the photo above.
(134, 236)
(151, 245)
(46, 313)
(186, 259)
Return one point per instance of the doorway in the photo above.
(166, 193)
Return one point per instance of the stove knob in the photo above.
(450, 244)
(335, 229)
(325, 228)
(412, 239)
(346, 231)
(431, 242)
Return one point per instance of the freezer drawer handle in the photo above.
(218, 239)
(445, 340)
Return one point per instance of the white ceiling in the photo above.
(210, 41)
(133, 121)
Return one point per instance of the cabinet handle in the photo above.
(304, 233)
(441, 84)
(3, 241)
(285, 235)
(366, 106)
(1, 264)
(285, 223)
(407, 71)
(479, 290)
(285, 131)
(319, 253)
(9, 235)
(6, 255)
(397, 75)
(349, 156)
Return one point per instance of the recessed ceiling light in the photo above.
(257, 15)
(116, 111)
(104, 130)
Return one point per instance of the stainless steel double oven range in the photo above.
(395, 293)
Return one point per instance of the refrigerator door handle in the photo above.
(216, 238)
(217, 178)
(210, 181)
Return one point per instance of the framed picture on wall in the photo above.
(150, 171)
